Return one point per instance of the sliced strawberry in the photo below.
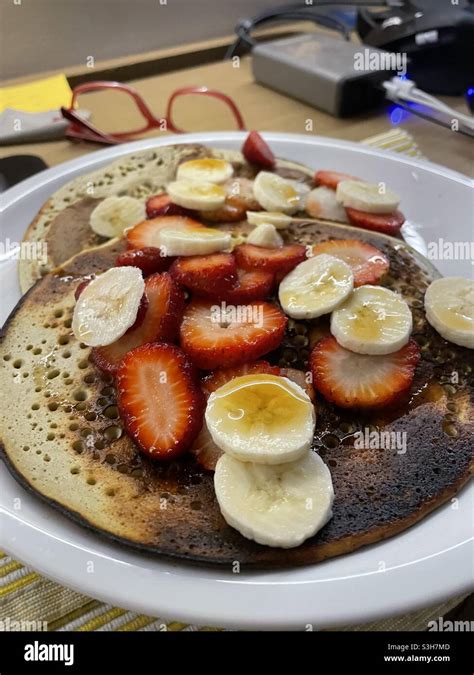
(147, 233)
(205, 273)
(388, 223)
(331, 179)
(159, 400)
(80, 287)
(301, 378)
(222, 337)
(161, 322)
(368, 264)
(257, 151)
(360, 381)
(205, 450)
(281, 260)
(161, 205)
(228, 213)
(142, 310)
(219, 377)
(251, 285)
(148, 259)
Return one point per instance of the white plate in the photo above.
(429, 562)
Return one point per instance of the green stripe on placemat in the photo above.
(26, 596)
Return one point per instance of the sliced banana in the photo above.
(193, 241)
(265, 235)
(264, 419)
(322, 203)
(367, 197)
(279, 505)
(276, 218)
(108, 306)
(274, 193)
(374, 320)
(208, 170)
(115, 214)
(449, 307)
(315, 287)
(202, 195)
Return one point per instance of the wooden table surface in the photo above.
(262, 109)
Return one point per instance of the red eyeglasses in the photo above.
(81, 129)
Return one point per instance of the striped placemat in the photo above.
(29, 601)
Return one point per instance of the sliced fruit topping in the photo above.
(202, 196)
(322, 203)
(449, 306)
(80, 287)
(251, 285)
(368, 197)
(161, 205)
(149, 259)
(265, 235)
(261, 418)
(205, 450)
(148, 233)
(368, 264)
(283, 260)
(114, 214)
(221, 336)
(280, 505)
(257, 151)
(374, 320)
(331, 179)
(276, 218)
(206, 273)
(108, 306)
(193, 241)
(389, 223)
(239, 198)
(359, 381)
(301, 378)
(208, 170)
(161, 322)
(315, 287)
(159, 400)
(142, 310)
(223, 375)
(274, 193)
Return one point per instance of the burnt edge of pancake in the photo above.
(378, 493)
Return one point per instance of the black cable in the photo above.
(295, 12)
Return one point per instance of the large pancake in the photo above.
(61, 437)
(63, 222)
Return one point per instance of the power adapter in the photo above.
(340, 77)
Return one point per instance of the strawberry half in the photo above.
(360, 381)
(368, 264)
(205, 450)
(148, 259)
(159, 400)
(281, 260)
(331, 179)
(257, 151)
(251, 285)
(387, 223)
(222, 336)
(161, 205)
(205, 273)
(147, 233)
(161, 322)
(219, 377)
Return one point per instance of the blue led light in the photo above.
(397, 114)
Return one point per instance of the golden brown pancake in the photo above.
(63, 440)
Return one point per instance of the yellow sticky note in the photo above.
(49, 93)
